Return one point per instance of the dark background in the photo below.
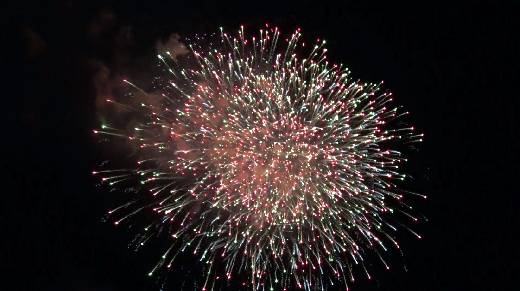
(454, 66)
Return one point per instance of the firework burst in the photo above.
(260, 162)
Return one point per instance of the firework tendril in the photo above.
(263, 163)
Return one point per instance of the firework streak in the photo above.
(262, 163)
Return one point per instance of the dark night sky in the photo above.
(453, 66)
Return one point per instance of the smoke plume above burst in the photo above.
(260, 157)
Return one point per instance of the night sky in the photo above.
(453, 66)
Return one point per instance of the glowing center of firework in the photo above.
(268, 160)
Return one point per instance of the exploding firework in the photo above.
(263, 163)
